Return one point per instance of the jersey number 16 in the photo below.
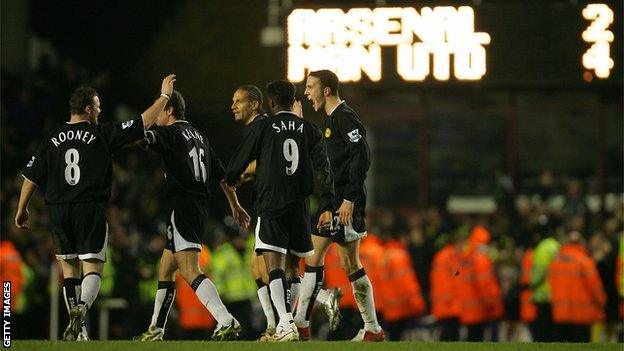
(198, 165)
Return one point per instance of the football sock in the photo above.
(295, 283)
(90, 288)
(165, 295)
(71, 292)
(322, 296)
(265, 302)
(279, 297)
(209, 297)
(363, 293)
(310, 286)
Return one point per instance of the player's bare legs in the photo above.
(259, 268)
(188, 264)
(349, 254)
(167, 266)
(70, 268)
(275, 262)
(261, 276)
(165, 295)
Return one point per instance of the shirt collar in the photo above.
(334, 109)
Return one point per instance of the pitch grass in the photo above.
(31, 345)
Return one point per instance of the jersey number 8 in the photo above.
(72, 171)
(291, 154)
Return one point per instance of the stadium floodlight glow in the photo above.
(598, 56)
(350, 43)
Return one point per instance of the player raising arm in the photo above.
(73, 164)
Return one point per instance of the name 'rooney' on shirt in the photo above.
(82, 135)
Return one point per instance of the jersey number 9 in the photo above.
(291, 155)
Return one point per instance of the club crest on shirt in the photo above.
(354, 136)
(127, 124)
(30, 163)
(327, 133)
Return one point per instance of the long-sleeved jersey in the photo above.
(188, 159)
(74, 162)
(348, 152)
(291, 163)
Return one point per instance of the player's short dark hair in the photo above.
(80, 99)
(282, 92)
(177, 102)
(328, 79)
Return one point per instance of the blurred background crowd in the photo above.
(528, 255)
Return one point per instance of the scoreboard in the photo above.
(500, 43)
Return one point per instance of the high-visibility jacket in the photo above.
(544, 253)
(528, 310)
(577, 295)
(12, 269)
(371, 250)
(193, 314)
(479, 235)
(231, 274)
(402, 297)
(445, 302)
(478, 289)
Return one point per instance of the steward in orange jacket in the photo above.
(478, 289)
(402, 298)
(371, 252)
(577, 295)
(528, 310)
(445, 302)
(443, 278)
(405, 298)
(194, 317)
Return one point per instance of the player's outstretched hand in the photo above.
(345, 212)
(21, 219)
(324, 220)
(241, 217)
(298, 109)
(167, 84)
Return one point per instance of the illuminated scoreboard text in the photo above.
(437, 42)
